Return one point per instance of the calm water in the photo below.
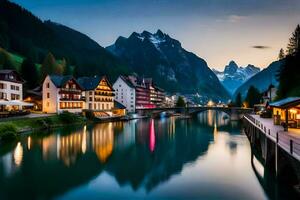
(207, 157)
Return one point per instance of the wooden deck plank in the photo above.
(285, 138)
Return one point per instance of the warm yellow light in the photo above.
(294, 111)
(18, 154)
(210, 103)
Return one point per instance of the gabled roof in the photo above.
(89, 83)
(286, 103)
(17, 78)
(127, 81)
(119, 105)
(60, 81)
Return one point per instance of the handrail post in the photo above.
(291, 146)
(277, 137)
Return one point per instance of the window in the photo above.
(119, 85)
(3, 95)
(47, 85)
(107, 106)
(91, 98)
(90, 106)
(12, 87)
(74, 86)
(17, 88)
(90, 92)
(2, 86)
(48, 95)
(48, 104)
(103, 106)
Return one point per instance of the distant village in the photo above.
(66, 93)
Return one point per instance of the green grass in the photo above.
(25, 124)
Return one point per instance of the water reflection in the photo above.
(140, 158)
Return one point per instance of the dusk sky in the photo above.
(216, 30)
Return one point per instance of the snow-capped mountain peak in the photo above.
(233, 76)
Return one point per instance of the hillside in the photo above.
(23, 33)
(261, 80)
(172, 67)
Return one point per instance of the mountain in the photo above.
(234, 76)
(23, 33)
(173, 68)
(261, 80)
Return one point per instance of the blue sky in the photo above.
(216, 30)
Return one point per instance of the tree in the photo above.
(294, 42)
(48, 66)
(29, 73)
(180, 102)
(5, 60)
(253, 96)
(281, 54)
(238, 100)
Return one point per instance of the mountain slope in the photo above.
(172, 67)
(234, 76)
(24, 33)
(261, 80)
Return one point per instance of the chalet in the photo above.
(62, 93)
(98, 93)
(287, 112)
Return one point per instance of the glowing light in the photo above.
(18, 154)
(29, 143)
(294, 111)
(210, 103)
(152, 136)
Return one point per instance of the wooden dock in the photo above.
(289, 141)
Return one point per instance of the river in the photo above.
(207, 157)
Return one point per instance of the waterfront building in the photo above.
(136, 92)
(98, 93)
(11, 90)
(62, 93)
(125, 93)
(270, 94)
(287, 112)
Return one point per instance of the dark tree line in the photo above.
(289, 73)
(253, 97)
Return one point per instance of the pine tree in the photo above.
(29, 73)
(294, 42)
(48, 66)
(281, 54)
(238, 100)
(180, 102)
(253, 96)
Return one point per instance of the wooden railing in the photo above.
(287, 142)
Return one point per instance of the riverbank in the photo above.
(12, 128)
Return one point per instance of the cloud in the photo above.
(260, 47)
(233, 18)
(236, 18)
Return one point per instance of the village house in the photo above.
(287, 112)
(125, 93)
(135, 92)
(98, 93)
(11, 91)
(62, 93)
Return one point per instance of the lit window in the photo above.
(48, 95)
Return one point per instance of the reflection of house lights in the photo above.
(83, 144)
(18, 154)
(29, 143)
(152, 136)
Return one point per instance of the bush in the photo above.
(8, 131)
(89, 115)
(68, 118)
